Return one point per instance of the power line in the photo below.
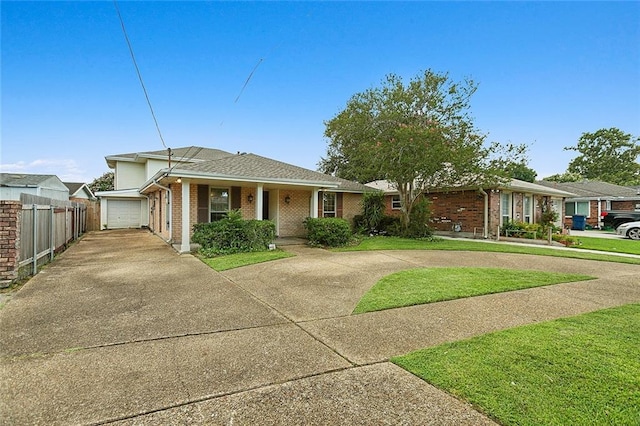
(248, 78)
(135, 64)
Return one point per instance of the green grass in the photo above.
(395, 243)
(230, 261)
(583, 370)
(427, 285)
(618, 245)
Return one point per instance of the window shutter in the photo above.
(339, 204)
(236, 197)
(320, 203)
(203, 203)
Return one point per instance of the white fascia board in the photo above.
(128, 193)
(200, 175)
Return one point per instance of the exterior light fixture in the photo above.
(250, 198)
(179, 180)
(287, 199)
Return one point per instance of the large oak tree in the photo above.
(609, 155)
(419, 136)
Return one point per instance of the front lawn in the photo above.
(583, 370)
(616, 245)
(427, 285)
(230, 261)
(396, 243)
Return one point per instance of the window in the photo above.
(329, 204)
(576, 208)
(395, 202)
(527, 207)
(505, 207)
(218, 203)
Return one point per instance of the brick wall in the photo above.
(293, 214)
(351, 206)
(464, 207)
(9, 240)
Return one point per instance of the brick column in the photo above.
(10, 212)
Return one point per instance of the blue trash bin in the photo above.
(579, 222)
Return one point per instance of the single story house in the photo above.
(483, 211)
(79, 191)
(49, 186)
(593, 197)
(170, 191)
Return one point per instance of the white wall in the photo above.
(129, 175)
(152, 167)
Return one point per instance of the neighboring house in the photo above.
(593, 197)
(195, 185)
(49, 186)
(79, 191)
(482, 211)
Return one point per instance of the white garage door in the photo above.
(123, 214)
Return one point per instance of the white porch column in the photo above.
(185, 246)
(259, 201)
(314, 203)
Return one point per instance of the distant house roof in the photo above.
(79, 190)
(24, 180)
(594, 189)
(513, 184)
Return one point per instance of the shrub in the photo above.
(372, 210)
(419, 219)
(233, 235)
(327, 231)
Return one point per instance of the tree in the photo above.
(102, 183)
(521, 171)
(609, 155)
(418, 136)
(564, 177)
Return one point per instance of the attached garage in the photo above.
(124, 214)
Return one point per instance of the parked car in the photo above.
(629, 230)
(615, 218)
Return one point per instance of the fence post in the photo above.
(35, 239)
(52, 234)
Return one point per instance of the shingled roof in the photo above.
(22, 179)
(593, 189)
(184, 154)
(255, 167)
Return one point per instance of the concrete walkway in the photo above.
(122, 329)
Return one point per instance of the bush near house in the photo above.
(233, 235)
(327, 231)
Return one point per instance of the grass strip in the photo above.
(616, 245)
(428, 285)
(230, 261)
(583, 370)
(396, 243)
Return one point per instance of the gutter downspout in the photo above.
(169, 215)
(599, 213)
(485, 213)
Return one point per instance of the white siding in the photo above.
(129, 175)
(152, 167)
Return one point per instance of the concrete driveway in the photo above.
(122, 329)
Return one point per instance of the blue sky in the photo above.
(547, 72)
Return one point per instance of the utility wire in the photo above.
(135, 64)
(248, 78)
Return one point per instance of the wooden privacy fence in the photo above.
(45, 229)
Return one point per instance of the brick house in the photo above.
(591, 198)
(483, 211)
(169, 194)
